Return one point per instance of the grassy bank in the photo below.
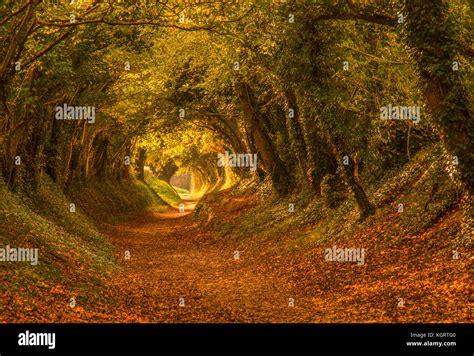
(74, 258)
(417, 247)
(165, 191)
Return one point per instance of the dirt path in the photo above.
(172, 258)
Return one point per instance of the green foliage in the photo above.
(69, 246)
(331, 191)
(165, 191)
(112, 202)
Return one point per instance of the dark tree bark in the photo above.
(266, 150)
(339, 148)
(52, 151)
(141, 163)
(297, 139)
(167, 171)
(322, 160)
(102, 158)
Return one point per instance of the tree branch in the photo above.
(373, 18)
(20, 10)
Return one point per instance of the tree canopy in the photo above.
(300, 84)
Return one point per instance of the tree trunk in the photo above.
(322, 161)
(297, 139)
(52, 152)
(141, 164)
(167, 171)
(431, 32)
(270, 159)
(365, 207)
